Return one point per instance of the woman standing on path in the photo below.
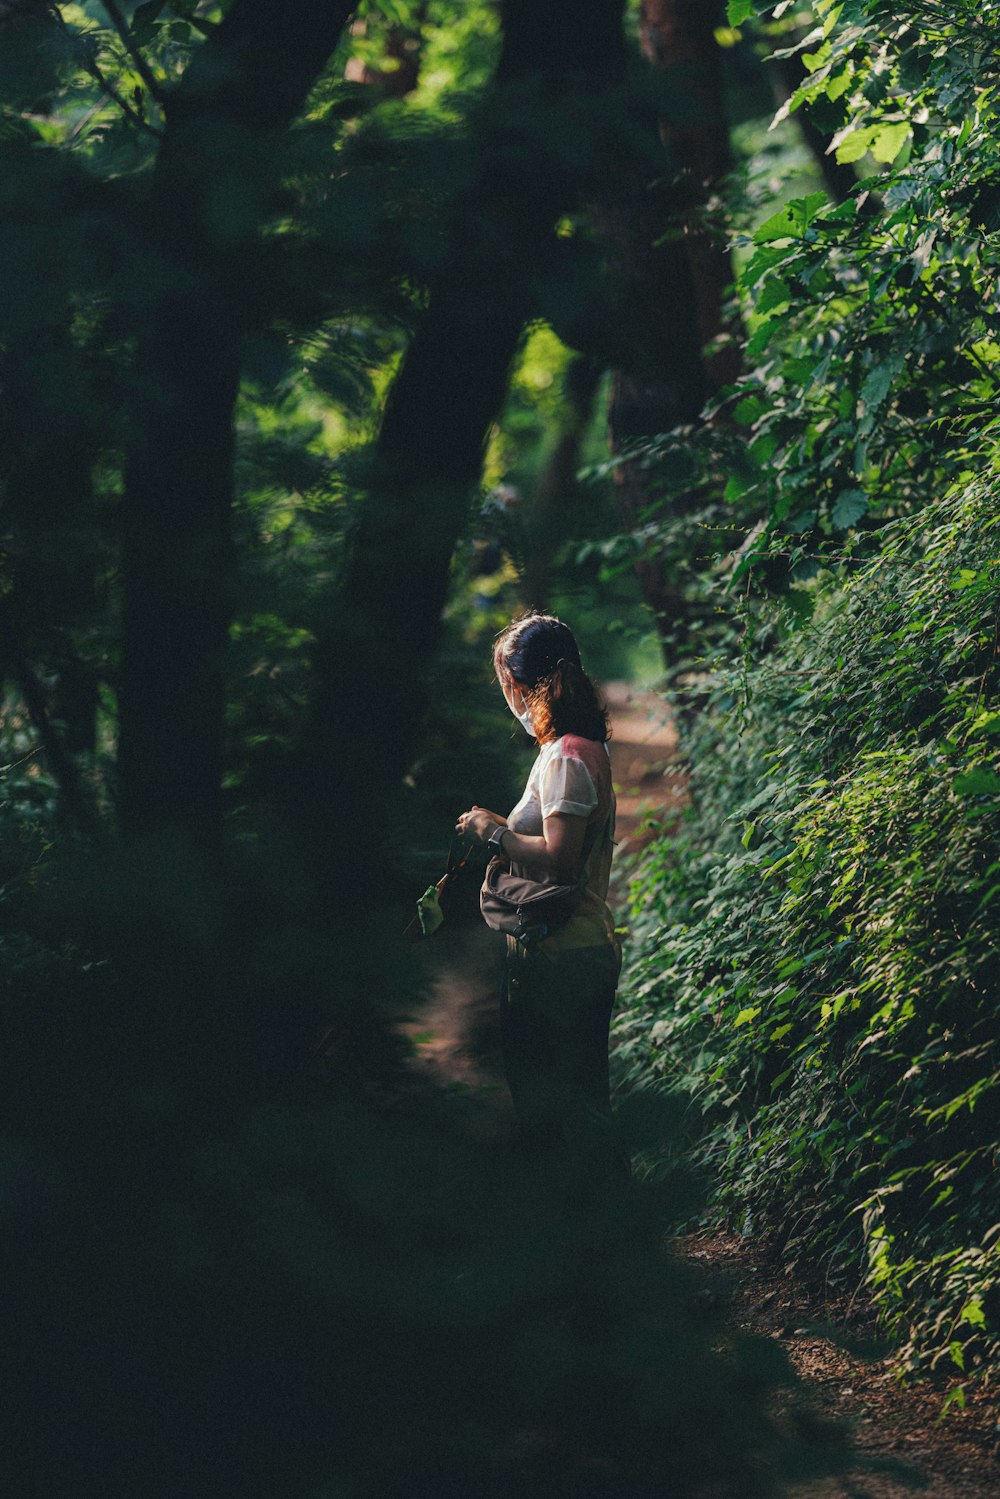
(559, 992)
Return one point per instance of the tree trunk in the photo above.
(673, 285)
(245, 84)
(678, 39)
(385, 625)
(557, 486)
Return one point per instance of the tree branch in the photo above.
(260, 62)
(90, 65)
(123, 104)
(243, 86)
(142, 67)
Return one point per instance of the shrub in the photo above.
(814, 953)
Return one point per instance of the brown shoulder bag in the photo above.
(531, 909)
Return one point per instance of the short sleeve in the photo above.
(566, 785)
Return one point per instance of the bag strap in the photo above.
(454, 863)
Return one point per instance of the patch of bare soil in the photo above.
(456, 1036)
(646, 765)
(832, 1346)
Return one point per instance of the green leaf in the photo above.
(748, 410)
(850, 506)
(762, 448)
(889, 140)
(809, 206)
(761, 261)
(738, 11)
(144, 21)
(979, 781)
(842, 212)
(814, 60)
(780, 225)
(775, 294)
(746, 1016)
(792, 221)
(839, 84)
(972, 1313)
(762, 336)
(854, 144)
(878, 382)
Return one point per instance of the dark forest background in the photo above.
(330, 337)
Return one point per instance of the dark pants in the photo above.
(554, 1019)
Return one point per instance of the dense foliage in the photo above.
(872, 347)
(869, 362)
(815, 951)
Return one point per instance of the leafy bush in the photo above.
(872, 344)
(870, 356)
(814, 952)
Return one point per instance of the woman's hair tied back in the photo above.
(539, 653)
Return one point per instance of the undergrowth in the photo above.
(814, 950)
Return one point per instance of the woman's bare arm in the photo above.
(557, 851)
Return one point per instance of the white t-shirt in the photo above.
(572, 775)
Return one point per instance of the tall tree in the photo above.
(672, 273)
(242, 89)
(678, 40)
(557, 483)
(558, 63)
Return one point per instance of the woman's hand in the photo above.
(479, 824)
(558, 852)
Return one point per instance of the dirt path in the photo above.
(457, 1035)
(646, 769)
(848, 1375)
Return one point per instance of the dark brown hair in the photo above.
(540, 655)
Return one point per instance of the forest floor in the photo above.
(830, 1340)
(846, 1374)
